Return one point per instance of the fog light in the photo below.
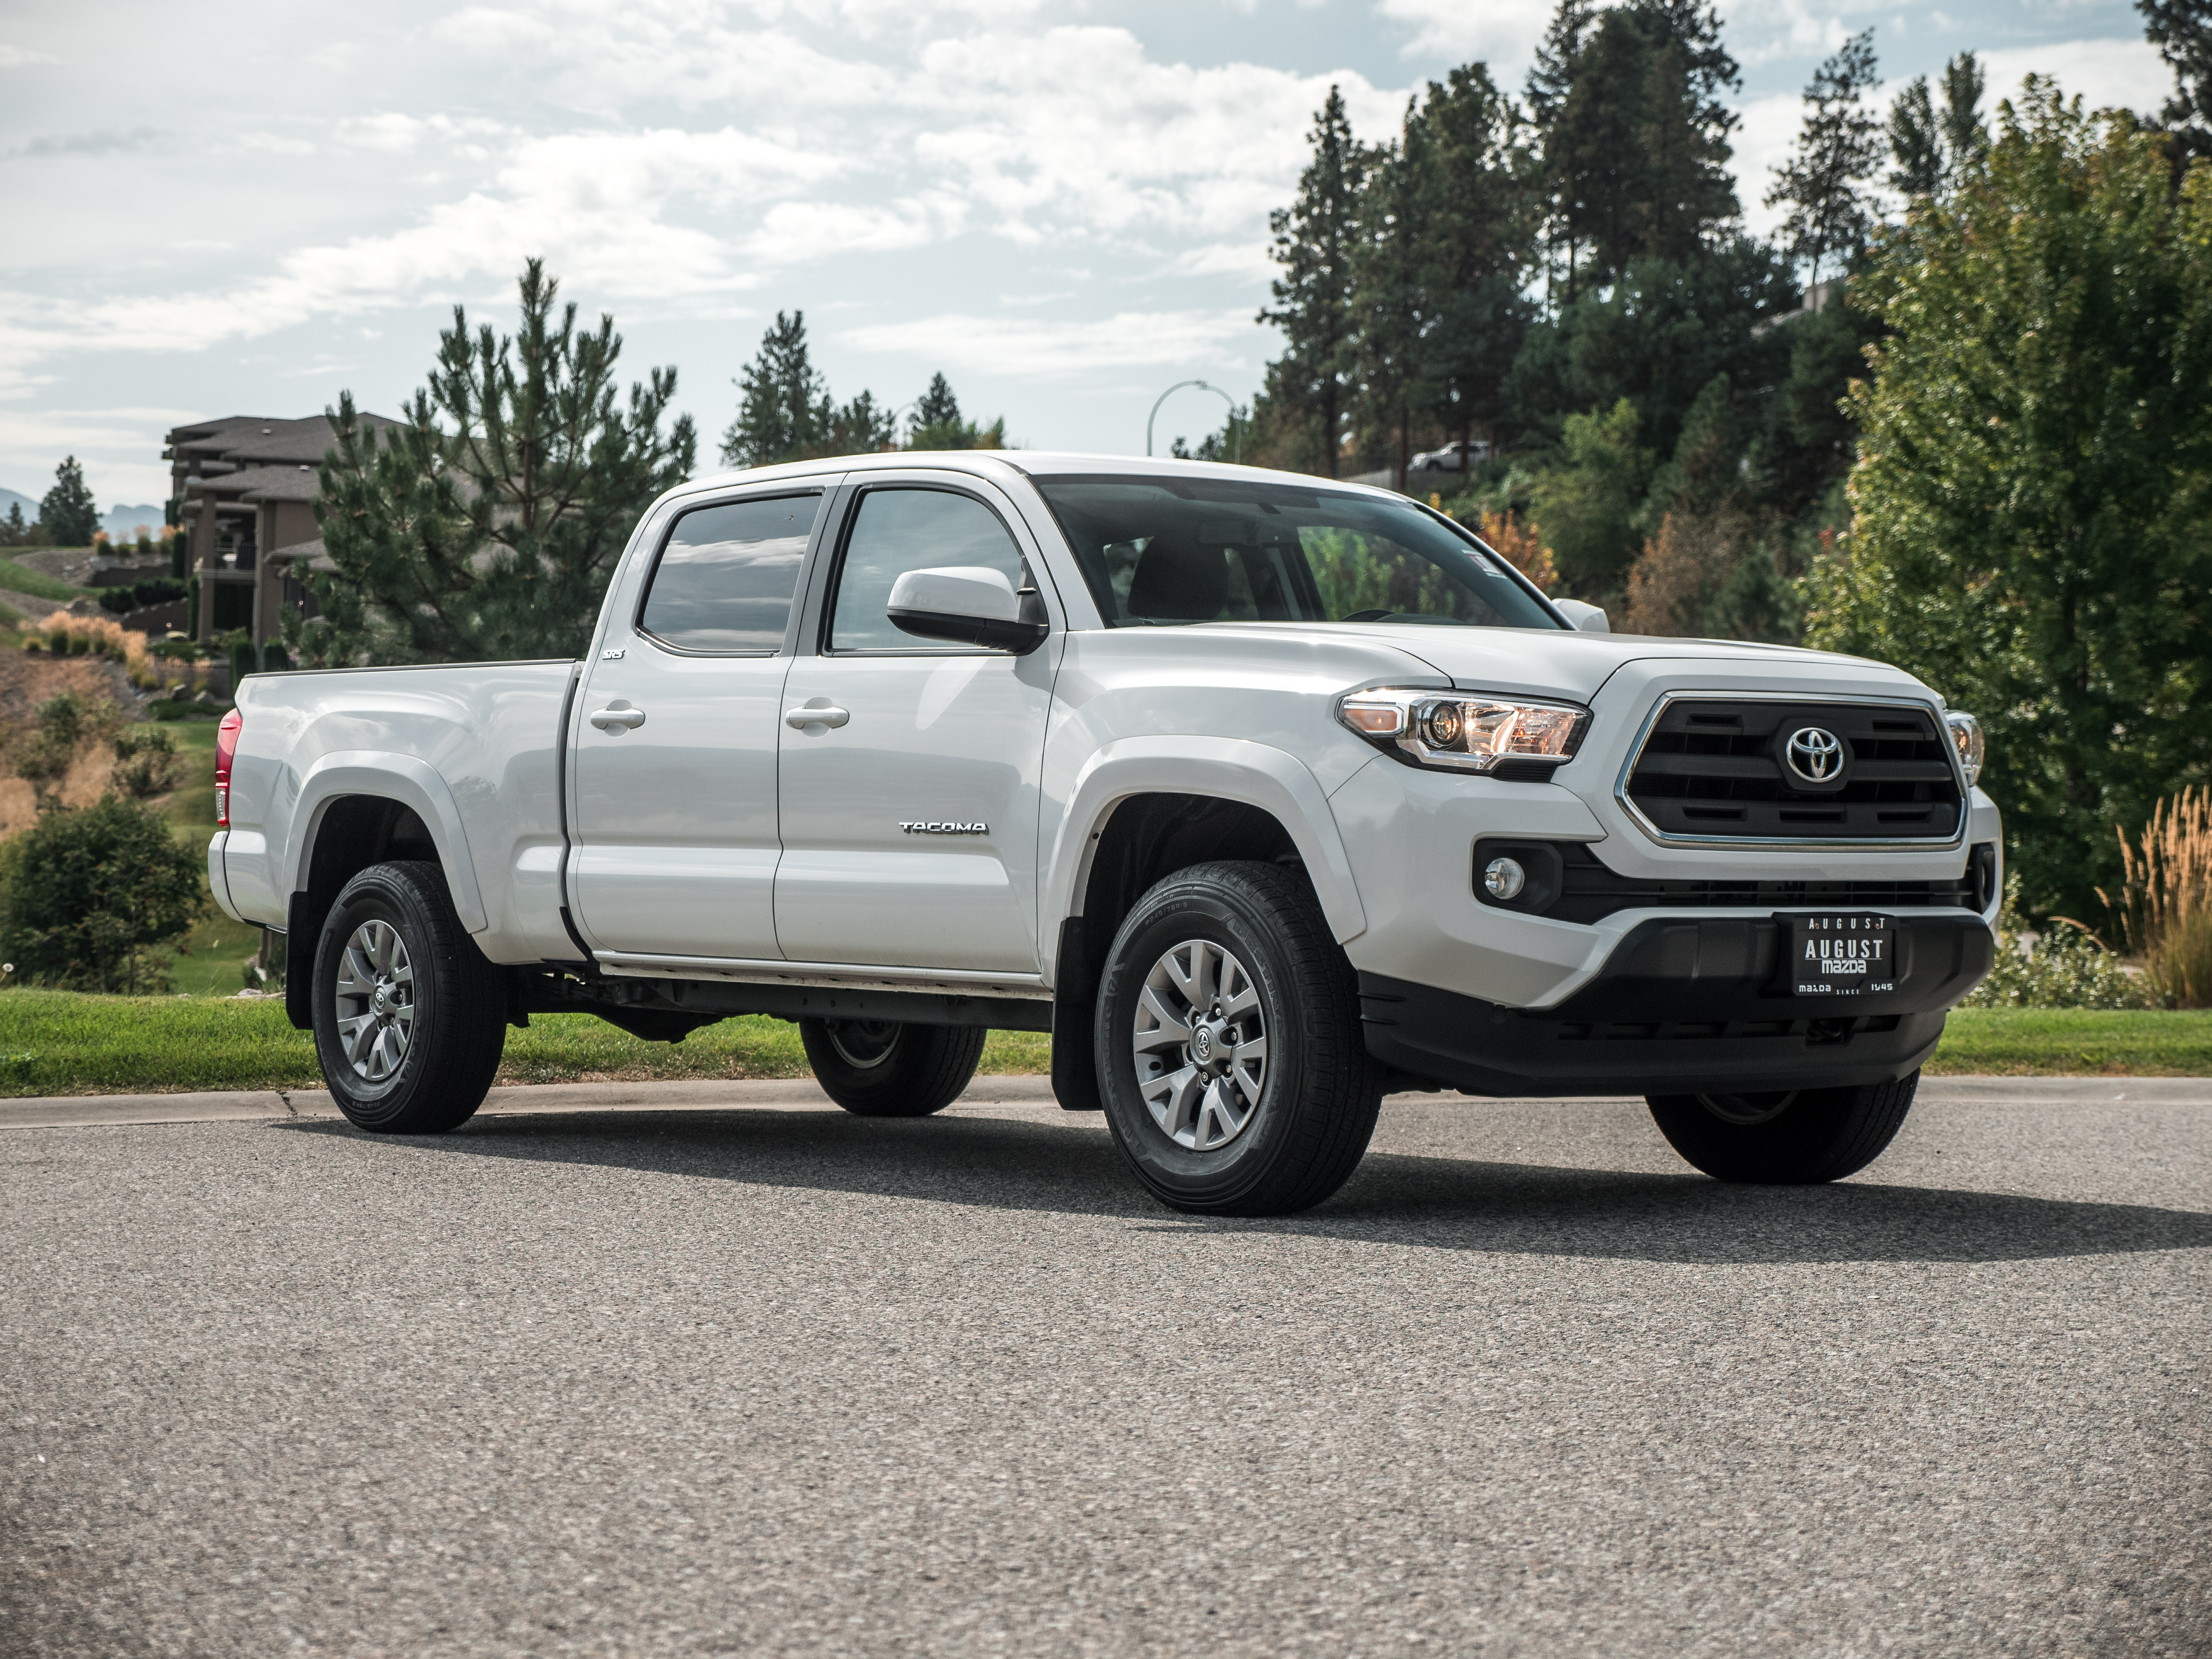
(1503, 879)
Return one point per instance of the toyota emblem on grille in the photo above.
(1815, 755)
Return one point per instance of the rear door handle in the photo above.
(618, 719)
(820, 712)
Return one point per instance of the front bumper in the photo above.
(1681, 1006)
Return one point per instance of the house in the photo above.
(244, 489)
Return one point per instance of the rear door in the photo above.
(675, 821)
(909, 809)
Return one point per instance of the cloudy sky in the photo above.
(1062, 203)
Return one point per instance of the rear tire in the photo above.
(1797, 1140)
(881, 1068)
(409, 1017)
(1273, 1110)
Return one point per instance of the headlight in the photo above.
(1966, 739)
(1467, 732)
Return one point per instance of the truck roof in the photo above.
(990, 463)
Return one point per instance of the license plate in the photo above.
(1843, 954)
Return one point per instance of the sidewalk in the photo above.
(803, 1094)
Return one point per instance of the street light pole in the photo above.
(1236, 438)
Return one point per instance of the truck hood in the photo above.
(1537, 662)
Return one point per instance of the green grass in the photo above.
(2076, 1042)
(21, 579)
(57, 1043)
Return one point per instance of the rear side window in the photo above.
(728, 574)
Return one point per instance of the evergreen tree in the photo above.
(2182, 31)
(1824, 184)
(1634, 154)
(1933, 148)
(1314, 242)
(1395, 290)
(937, 407)
(783, 406)
(14, 532)
(67, 511)
(485, 526)
(861, 426)
(1479, 249)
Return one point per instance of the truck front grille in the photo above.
(1715, 769)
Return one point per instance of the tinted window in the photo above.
(1167, 550)
(726, 579)
(895, 530)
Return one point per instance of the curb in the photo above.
(804, 1094)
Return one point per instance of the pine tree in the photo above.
(1933, 150)
(783, 409)
(1478, 248)
(485, 526)
(68, 511)
(1634, 153)
(1395, 290)
(861, 426)
(1316, 238)
(14, 532)
(2182, 31)
(1824, 183)
(937, 406)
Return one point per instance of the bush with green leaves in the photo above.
(90, 898)
(146, 764)
(60, 726)
(2063, 966)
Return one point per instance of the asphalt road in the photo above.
(782, 1381)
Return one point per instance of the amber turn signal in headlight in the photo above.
(1464, 731)
(1966, 738)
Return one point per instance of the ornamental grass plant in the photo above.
(2165, 902)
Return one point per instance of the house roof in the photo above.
(311, 553)
(247, 439)
(297, 483)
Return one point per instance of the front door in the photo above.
(676, 740)
(909, 809)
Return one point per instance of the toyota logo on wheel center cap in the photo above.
(1815, 754)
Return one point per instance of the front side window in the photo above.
(728, 575)
(895, 530)
(1158, 551)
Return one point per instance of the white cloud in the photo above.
(1502, 33)
(2125, 74)
(20, 57)
(120, 449)
(1020, 348)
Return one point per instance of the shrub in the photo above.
(146, 764)
(2066, 966)
(88, 898)
(2167, 904)
(61, 725)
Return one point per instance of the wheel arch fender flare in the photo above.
(1227, 768)
(412, 783)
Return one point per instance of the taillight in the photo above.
(226, 745)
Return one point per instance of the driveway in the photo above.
(776, 1380)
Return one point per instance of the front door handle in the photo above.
(620, 718)
(819, 712)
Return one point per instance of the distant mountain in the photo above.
(121, 522)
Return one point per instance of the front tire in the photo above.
(1231, 1062)
(882, 1068)
(1787, 1140)
(409, 1017)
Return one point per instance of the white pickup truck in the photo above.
(1264, 794)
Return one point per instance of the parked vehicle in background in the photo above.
(1263, 794)
(1452, 457)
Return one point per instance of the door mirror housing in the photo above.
(1590, 618)
(971, 604)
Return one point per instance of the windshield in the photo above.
(1161, 551)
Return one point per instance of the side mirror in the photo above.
(1590, 618)
(969, 604)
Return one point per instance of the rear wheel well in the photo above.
(355, 832)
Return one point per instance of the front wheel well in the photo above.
(1147, 838)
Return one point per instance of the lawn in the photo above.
(57, 1043)
(21, 579)
(54, 1043)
